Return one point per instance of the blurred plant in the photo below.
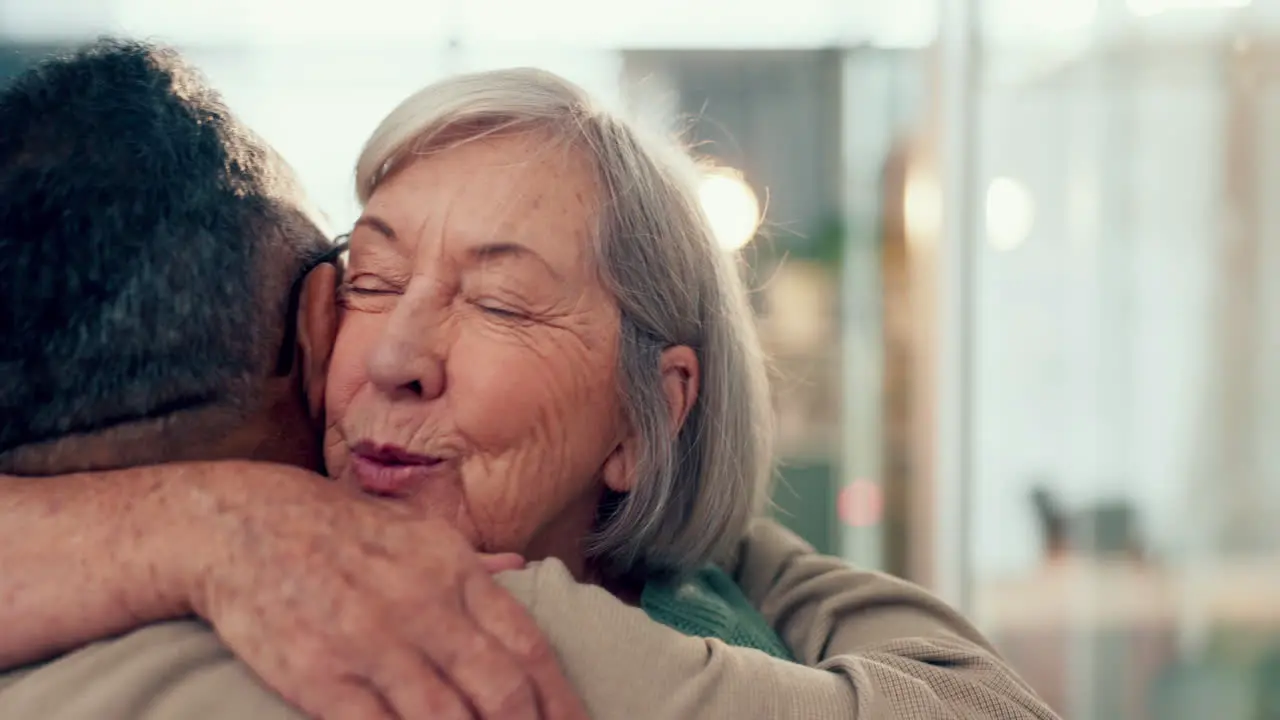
(827, 241)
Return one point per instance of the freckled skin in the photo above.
(525, 406)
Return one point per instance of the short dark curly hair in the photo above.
(147, 245)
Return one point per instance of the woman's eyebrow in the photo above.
(486, 252)
(378, 225)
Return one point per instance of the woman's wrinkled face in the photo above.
(474, 374)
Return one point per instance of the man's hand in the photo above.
(351, 608)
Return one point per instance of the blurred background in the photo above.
(1011, 258)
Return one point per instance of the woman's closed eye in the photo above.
(368, 293)
(501, 311)
(368, 284)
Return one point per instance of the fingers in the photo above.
(484, 671)
(416, 690)
(557, 698)
(398, 621)
(502, 617)
(502, 562)
(353, 698)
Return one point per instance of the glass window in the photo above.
(1120, 319)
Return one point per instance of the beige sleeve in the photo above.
(168, 671)
(880, 648)
(905, 652)
(626, 666)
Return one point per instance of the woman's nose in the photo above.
(405, 361)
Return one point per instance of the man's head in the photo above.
(149, 244)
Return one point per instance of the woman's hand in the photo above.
(345, 605)
(350, 607)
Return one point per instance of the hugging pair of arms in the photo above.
(505, 461)
(325, 611)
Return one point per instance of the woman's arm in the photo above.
(88, 556)
(334, 600)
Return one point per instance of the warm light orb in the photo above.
(922, 207)
(731, 208)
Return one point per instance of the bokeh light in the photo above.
(731, 207)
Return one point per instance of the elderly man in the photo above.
(183, 311)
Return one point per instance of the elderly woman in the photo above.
(540, 344)
(540, 341)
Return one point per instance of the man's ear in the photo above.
(317, 330)
(680, 377)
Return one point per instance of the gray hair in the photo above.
(694, 492)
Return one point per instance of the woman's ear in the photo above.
(680, 378)
(317, 330)
(680, 375)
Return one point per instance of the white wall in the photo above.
(318, 104)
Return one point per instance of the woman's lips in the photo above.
(390, 471)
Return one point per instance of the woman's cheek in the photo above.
(346, 367)
(499, 398)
